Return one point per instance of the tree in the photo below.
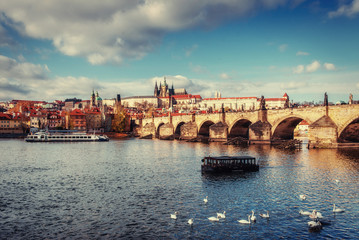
(119, 120)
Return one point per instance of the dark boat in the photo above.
(229, 164)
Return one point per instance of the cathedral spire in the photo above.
(156, 90)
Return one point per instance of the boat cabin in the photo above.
(229, 164)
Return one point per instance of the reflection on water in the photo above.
(128, 189)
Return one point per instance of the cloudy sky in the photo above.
(52, 49)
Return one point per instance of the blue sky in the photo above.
(59, 49)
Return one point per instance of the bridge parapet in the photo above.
(279, 122)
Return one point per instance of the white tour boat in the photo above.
(64, 136)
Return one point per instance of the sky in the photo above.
(53, 50)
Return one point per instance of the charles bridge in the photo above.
(329, 126)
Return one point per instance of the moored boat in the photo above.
(229, 164)
(64, 136)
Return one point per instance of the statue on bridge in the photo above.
(326, 99)
(262, 105)
(350, 98)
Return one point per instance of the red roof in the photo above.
(230, 98)
(5, 116)
(187, 96)
(77, 112)
(274, 99)
(303, 123)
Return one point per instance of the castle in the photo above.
(165, 91)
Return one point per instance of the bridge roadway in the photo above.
(328, 125)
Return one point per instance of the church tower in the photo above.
(164, 89)
(93, 99)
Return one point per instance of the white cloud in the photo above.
(283, 47)
(298, 69)
(12, 69)
(224, 76)
(112, 30)
(293, 85)
(300, 53)
(346, 10)
(329, 66)
(314, 66)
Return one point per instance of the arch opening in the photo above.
(350, 133)
(177, 133)
(158, 130)
(240, 129)
(204, 129)
(285, 129)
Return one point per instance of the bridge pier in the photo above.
(148, 129)
(323, 133)
(189, 131)
(260, 132)
(218, 132)
(166, 132)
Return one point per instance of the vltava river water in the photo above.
(127, 189)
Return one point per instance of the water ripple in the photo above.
(128, 189)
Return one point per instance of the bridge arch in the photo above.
(349, 131)
(177, 131)
(240, 128)
(204, 128)
(158, 129)
(283, 128)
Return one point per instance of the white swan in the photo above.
(221, 215)
(314, 225)
(245, 221)
(315, 214)
(205, 200)
(174, 216)
(304, 212)
(190, 221)
(337, 181)
(302, 197)
(253, 218)
(213, 219)
(337, 210)
(264, 215)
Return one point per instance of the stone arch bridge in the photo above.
(329, 126)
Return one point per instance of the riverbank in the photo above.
(114, 135)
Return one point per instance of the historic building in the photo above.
(242, 103)
(140, 102)
(163, 97)
(10, 124)
(93, 120)
(96, 100)
(54, 120)
(233, 103)
(76, 120)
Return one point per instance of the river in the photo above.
(127, 189)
